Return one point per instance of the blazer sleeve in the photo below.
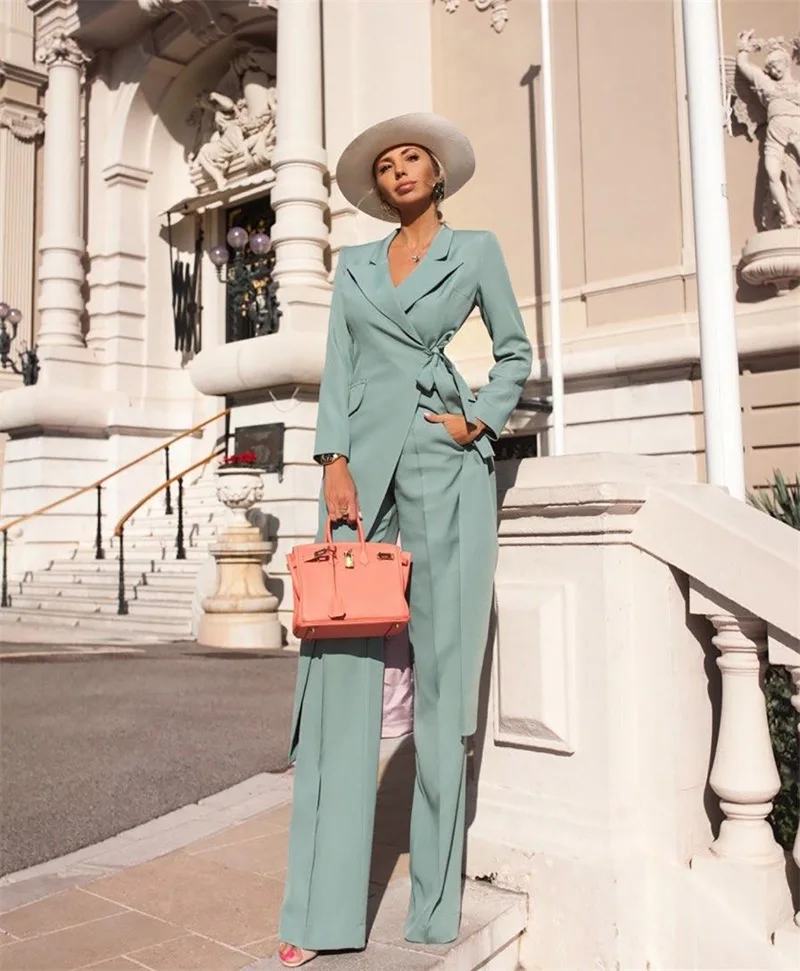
(333, 425)
(510, 345)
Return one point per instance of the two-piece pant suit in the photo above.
(385, 368)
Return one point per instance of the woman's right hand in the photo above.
(340, 492)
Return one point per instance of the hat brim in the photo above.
(354, 173)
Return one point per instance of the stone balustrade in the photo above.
(624, 773)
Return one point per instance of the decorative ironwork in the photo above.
(267, 443)
(187, 307)
(99, 552)
(245, 266)
(179, 544)
(5, 601)
(28, 366)
(168, 490)
(122, 603)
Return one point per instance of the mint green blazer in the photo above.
(386, 347)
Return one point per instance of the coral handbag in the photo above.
(353, 589)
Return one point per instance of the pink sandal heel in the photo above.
(292, 956)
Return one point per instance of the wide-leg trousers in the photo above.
(337, 754)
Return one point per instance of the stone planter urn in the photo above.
(242, 613)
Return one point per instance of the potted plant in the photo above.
(239, 484)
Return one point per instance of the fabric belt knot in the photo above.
(439, 372)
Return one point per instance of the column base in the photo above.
(250, 632)
(241, 613)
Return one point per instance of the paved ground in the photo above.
(97, 739)
(200, 890)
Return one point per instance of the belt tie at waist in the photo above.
(439, 372)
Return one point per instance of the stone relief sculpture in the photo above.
(499, 10)
(235, 124)
(765, 102)
(203, 19)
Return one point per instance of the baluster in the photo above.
(744, 775)
(5, 601)
(100, 553)
(168, 493)
(181, 555)
(122, 603)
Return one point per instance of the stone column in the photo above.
(61, 303)
(20, 129)
(299, 197)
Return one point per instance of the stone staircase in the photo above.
(80, 593)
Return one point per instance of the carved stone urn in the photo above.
(242, 613)
(239, 487)
(772, 258)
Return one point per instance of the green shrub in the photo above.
(782, 502)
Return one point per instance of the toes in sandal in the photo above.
(292, 956)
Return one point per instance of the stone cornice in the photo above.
(54, 17)
(25, 122)
(22, 75)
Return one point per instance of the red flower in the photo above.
(241, 458)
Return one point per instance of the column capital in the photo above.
(25, 122)
(60, 49)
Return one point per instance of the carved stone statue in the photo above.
(766, 101)
(774, 102)
(240, 136)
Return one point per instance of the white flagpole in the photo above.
(553, 258)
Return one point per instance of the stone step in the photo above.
(157, 551)
(111, 623)
(491, 926)
(69, 591)
(91, 582)
(176, 609)
(100, 570)
(201, 517)
(107, 591)
(158, 592)
(193, 534)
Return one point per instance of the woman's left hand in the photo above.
(458, 428)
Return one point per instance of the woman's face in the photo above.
(405, 177)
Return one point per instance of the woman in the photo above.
(406, 445)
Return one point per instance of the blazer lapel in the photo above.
(375, 282)
(433, 269)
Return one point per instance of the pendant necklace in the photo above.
(418, 254)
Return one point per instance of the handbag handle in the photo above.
(361, 537)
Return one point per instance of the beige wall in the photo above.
(624, 204)
(617, 147)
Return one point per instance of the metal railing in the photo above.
(180, 547)
(98, 487)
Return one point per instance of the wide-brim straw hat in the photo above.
(354, 173)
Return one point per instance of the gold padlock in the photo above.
(349, 562)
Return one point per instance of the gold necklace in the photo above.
(417, 255)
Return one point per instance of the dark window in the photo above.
(516, 447)
(255, 216)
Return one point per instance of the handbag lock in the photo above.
(349, 562)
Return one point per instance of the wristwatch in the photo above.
(327, 457)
